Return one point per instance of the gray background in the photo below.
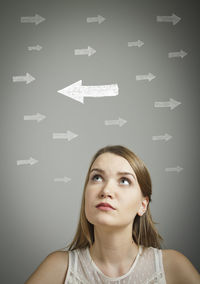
(39, 215)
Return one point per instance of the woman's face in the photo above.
(108, 183)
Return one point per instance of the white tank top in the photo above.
(146, 269)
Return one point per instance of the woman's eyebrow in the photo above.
(119, 173)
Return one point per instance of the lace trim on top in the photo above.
(117, 278)
(147, 268)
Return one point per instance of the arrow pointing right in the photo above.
(138, 43)
(165, 137)
(180, 53)
(99, 19)
(176, 169)
(149, 77)
(171, 103)
(68, 135)
(119, 122)
(37, 19)
(31, 162)
(37, 47)
(89, 51)
(65, 179)
(39, 117)
(27, 78)
(170, 19)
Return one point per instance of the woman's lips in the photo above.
(104, 208)
(105, 204)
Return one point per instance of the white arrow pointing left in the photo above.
(27, 78)
(77, 92)
(31, 161)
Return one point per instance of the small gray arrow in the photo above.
(176, 169)
(65, 179)
(37, 19)
(89, 51)
(68, 135)
(149, 77)
(168, 19)
(99, 19)
(27, 78)
(165, 137)
(37, 48)
(171, 103)
(38, 117)
(138, 43)
(180, 53)
(119, 122)
(31, 162)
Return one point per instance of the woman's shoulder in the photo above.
(59, 256)
(178, 268)
(53, 269)
(61, 260)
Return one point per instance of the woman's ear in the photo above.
(143, 206)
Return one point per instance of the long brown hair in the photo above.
(144, 231)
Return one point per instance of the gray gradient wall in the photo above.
(39, 210)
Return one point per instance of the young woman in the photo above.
(116, 239)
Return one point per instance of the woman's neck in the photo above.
(114, 248)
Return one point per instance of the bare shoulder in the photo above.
(178, 268)
(52, 270)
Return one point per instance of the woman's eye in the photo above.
(126, 180)
(95, 176)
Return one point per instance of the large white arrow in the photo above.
(88, 51)
(149, 77)
(65, 179)
(165, 137)
(119, 122)
(168, 19)
(66, 135)
(99, 19)
(37, 19)
(171, 103)
(77, 92)
(138, 43)
(39, 117)
(27, 78)
(31, 162)
(176, 169)
(175, 54)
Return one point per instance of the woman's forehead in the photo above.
(113, 162)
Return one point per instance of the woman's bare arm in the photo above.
(180, 269)
(52, 270)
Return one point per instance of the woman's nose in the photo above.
(107, 189)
